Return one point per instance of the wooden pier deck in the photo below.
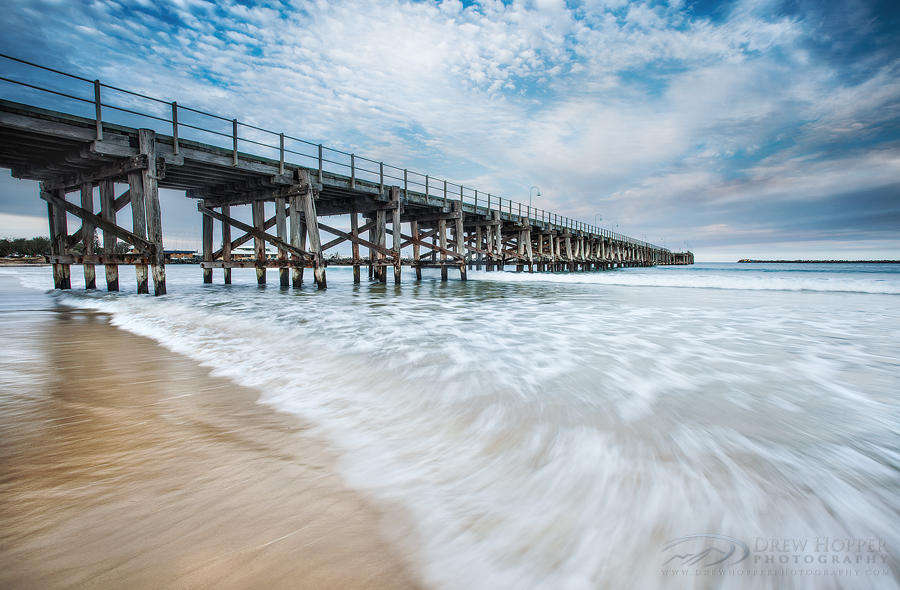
(444, 224)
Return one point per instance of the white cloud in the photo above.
(644, 102)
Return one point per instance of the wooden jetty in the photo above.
(143, 149)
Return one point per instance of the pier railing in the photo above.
(111, 104)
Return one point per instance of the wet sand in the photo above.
(124, 465)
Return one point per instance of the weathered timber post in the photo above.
(207, 240)
(59, 234)
(63, 237)
(354, 246)
(557, 253)
(147, 145)
(550, 250)
(226, 245)
(259, 244)
(581, 256)
(54, 240)
(520, 250)
(139, 224)
(540, 250)
(479, 245)
(373, 240)
(528, 249)
(298, 240)
(281, 234)
(489, 243)
(87, 235)
(573, 263)
(312, 229)
(586, 253)
(569, 258)
(498, 233)
(414, 232)
(460, 239)
(442, 234)
(548, 257)
(108, 213)
(396, 233)
(381, 241)
(560, 253)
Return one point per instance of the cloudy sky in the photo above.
(748, 128)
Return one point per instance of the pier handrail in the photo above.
(349, 162)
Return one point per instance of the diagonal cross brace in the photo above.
(342, 239)
(244, 238)
(361, 241)
(97, 221)
(252, 231)
(118, 204)
(420, 241)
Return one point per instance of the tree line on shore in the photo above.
(40, 246)
(37, 246)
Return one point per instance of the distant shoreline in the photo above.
(752, 261)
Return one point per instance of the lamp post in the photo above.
(531, 195)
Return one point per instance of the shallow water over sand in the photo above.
(555, 431)
(124, 465)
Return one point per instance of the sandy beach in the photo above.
(124, 465)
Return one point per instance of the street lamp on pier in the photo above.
(531, 195)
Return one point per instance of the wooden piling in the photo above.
(442, 236)
(479, 245)
(281, 234)
(54, 243)
(226, 245)
(298, 237)
(258, 213)
(138, 224)
(529, 252)
(372, 239)
(380, 240)
(396, 233)
(147, 146)
(520, 250)
(498, 236)
(312, 232)
(460, 239)
(59, 234)
(551, 245)
(540, 250)
(207, 247)
(354, 232)
(87, 235)
(489, 245)
(108, 213)
(414, 231)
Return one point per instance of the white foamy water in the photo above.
(555, 431)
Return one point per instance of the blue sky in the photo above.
(746, 128)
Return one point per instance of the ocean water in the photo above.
(570, 430)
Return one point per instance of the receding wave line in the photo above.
(706, 281)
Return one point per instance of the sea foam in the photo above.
(526, 434)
